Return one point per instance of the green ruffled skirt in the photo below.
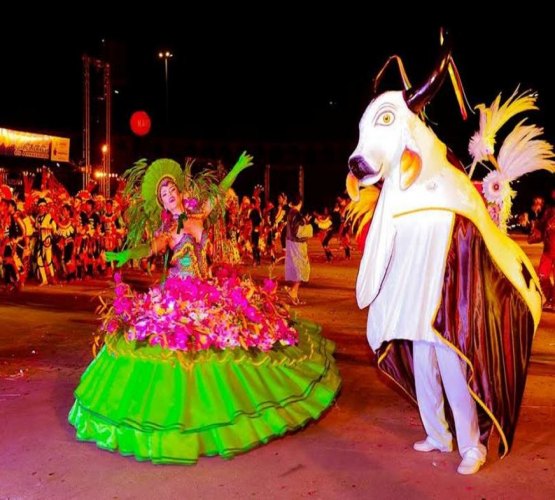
(172, 407)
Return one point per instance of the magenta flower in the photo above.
(494, 212)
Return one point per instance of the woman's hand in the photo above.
(244, 161)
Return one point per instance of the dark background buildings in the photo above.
(287, 85)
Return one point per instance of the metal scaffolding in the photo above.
(104, 174)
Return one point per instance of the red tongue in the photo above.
(352, 187)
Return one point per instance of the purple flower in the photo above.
(190, 204)
(166, 217)
(269, 285)
(252, 314)
(238, 298)
(111, 325)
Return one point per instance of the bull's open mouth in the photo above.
(370, 179)
(354, 184)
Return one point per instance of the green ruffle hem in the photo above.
(173, 407)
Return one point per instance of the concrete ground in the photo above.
(361, 448)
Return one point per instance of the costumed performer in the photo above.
(453, 301)
(198, 365)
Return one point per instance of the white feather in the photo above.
(522, 152)
(482, 143)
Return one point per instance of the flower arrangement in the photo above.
(191, 204)
(190, 314)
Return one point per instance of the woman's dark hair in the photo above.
(296, 199)
(69, 208)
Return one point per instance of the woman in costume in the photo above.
(198, 365)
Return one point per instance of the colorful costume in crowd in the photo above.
(12, 245)
(203, 364)
(544, 232)
(45, 227)
(65, 241)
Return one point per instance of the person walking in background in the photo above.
(536, 212)
(324, 224)
(255, 217)
(280, 221)
(544, 232)
(298, 232)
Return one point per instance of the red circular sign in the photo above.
(140, 123)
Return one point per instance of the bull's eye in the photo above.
(385, 118)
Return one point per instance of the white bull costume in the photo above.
(437, 272)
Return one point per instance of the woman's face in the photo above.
(171, 199)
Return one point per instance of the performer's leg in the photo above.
(544, 273)
(453, 374)
(552, 298)
(346, 241)
(42, 271)
(283, 239)
(429, 394)
(255, 240)
(48, 261)
(325, 243)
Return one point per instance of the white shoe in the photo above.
(427, 445)
(471, 462)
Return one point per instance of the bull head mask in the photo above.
(387, 124)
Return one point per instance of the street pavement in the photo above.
(361, 447)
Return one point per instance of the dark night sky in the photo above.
(271, 74)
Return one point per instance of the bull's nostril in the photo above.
(353, 162)
(359, 167)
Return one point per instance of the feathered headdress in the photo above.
(142, 192)
(522, 151)
(482, 143)
(158, 172)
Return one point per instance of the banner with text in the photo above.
(45, 147)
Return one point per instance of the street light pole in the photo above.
(105, 179)
(166, 55)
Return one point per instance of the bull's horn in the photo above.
(402, 72)
(417, 97)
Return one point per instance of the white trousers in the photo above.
(435, 364)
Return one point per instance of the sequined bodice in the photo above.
(189, 257)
